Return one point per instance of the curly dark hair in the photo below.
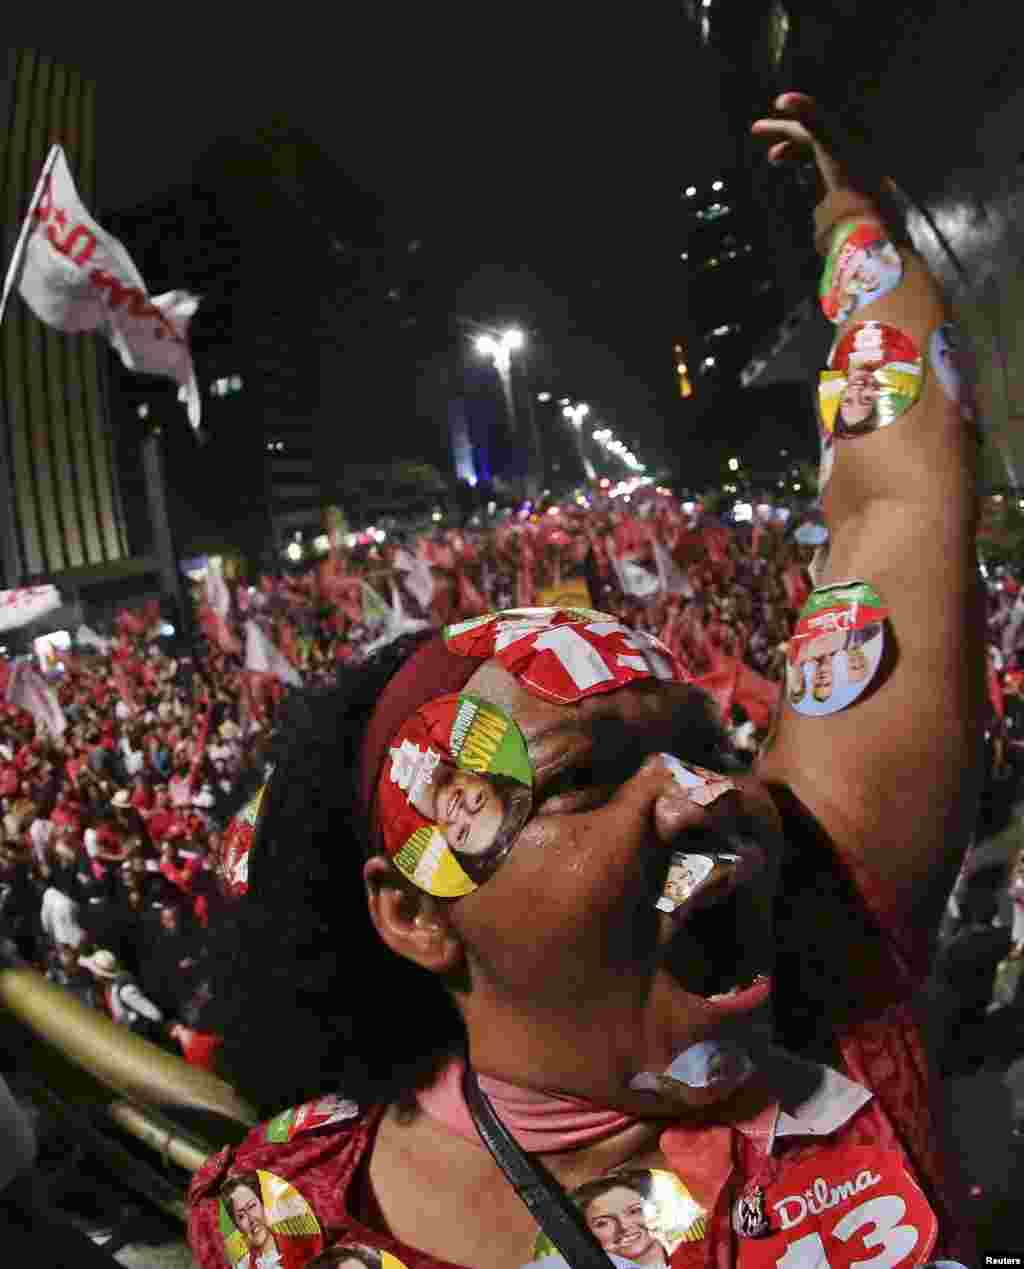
(636, 1179)
(306, 995)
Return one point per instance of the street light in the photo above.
(500, 349)
(576, 414)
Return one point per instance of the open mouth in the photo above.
(717, 941)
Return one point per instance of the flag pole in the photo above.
(19, 246)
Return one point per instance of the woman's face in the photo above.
(469, 811)
(617, 1221)
(565, 934)
(859, 398)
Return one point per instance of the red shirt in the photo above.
(869, 975)
(66, 815)
(162, 824)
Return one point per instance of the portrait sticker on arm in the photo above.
(861, 267)
(836, 648)
(874, 376)
(454, 793)
(266, 1223)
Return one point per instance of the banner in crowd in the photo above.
(22, 607)
(76, 277)
(28, 690)
(262, 657)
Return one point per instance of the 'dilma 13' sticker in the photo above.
(836, 648)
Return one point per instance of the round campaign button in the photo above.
(836, 648)
(862, 266)
(639, 1217)
(843, 1208)
(266, 1223)
(873, 377)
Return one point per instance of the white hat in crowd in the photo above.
(102, 964)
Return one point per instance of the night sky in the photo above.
(545, 154)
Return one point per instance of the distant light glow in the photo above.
(167, 630)
(691, 190)
(742, 511)
(294, 551)
(513, 339)
(322, 543)
(734, 464)
(543, 396)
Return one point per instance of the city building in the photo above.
(61, 517)
(277, 284)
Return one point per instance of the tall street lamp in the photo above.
(500, 349)
(576, 414)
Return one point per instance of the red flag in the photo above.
(526, 583)
(217, 630)
(797, 589)
(288, 643)
(122, 681)
(471, 602)
(995, 689)
(131, 623)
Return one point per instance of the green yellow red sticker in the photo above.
(325, 1112)
(836, 648)
(455, 790)
(639, 1217)
(861, 267)
(874, 376)
(266, 1223)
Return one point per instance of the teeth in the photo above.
(734, 991)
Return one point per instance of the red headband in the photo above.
(430, 672)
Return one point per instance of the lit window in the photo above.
(143, 411)
(236, 383)
(684, 255)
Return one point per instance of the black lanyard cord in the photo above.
(556, 1214)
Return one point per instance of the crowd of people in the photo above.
(111, 861)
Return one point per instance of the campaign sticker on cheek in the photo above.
(836, 648)
(639, 1216)
(454, 793)
(873, 377)
(862, 266)
(264, 1220)
(702, 787)
(947, 353)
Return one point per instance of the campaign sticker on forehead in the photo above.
(861, 267)
(842, 1206)
(639, 1216)
(947, 353)
(237, 845)
(836, 648)
(455, 790)
(265, 1221)
(565, 654)
(874, 376)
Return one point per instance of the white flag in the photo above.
(418, 577)
(27, 689)
(76, 277)
(263, 657)
(20, 607)
(216, 590)
(90, 639)
(634, 580)
(670, 576)
(398, 624)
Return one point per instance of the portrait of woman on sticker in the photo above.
(360, 962)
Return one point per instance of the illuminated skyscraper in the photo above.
(60, 506)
